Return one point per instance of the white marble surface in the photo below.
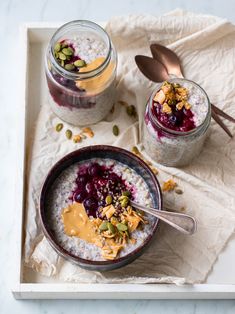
(12, 13)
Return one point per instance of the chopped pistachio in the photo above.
(104, 226)
(59, 127)
(122, 227)
(67, 51)
(79, 63)
(57, 47)
(69, 134)
(69, 67)
(115, 130)
(126, 193)
(108, 199)
(111, 228)
(62, 56)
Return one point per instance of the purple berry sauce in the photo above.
(93, 183)
(72, 96)
(179, 120)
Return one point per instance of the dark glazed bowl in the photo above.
(104, 152)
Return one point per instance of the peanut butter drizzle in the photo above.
(77, 223)
(97, 83)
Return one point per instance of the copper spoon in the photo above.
(172, 64)
(181, 222)
(151, 68)
(168, 58)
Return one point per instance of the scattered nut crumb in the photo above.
(178, 191)
(166, 108)
(169, 185)
(154, 170)
(83, 136)
(77, 138)
(131, 111)
(180, 105)
(160, 97)
(187, 106)
(68, 134)
(88, 131)
(135, 150)
(59, 127)
(115, 130)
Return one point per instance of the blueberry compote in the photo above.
(178, 120)
(94, 182)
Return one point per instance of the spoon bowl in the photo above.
(168, 58)
(151, 68)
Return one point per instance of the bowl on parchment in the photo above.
(54, 235)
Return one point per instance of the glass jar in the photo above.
(81, 92)
(171, 147)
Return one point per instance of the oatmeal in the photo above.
(176, 124)
(90, 213)
(81, 70)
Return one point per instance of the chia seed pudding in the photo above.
(103, 187)
(80, 70)
(176, 123)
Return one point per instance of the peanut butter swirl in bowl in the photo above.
(85, 207)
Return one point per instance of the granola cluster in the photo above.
(116, 226)
(172, 96)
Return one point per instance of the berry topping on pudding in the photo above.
(95, 183)
(172, 109)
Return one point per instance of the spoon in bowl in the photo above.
(181, 222)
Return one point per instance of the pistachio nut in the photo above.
(108, 199)
(115, 130)
(111, 228)
(104, 226)
(121, 227)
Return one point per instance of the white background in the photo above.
(12, 13)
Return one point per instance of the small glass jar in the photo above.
(82, 94)
(170, 147)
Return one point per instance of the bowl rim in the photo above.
(49, 236)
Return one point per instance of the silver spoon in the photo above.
(181, 222)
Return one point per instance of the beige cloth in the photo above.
(205, 45)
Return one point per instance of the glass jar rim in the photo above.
(173, 132)
(80, 75)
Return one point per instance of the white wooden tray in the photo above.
(28, 284)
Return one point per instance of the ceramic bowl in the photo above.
(100, 151)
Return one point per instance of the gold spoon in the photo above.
(183, 223)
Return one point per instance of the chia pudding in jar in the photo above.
(80, 70)
(176, 122)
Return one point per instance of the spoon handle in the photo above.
(183, 223)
